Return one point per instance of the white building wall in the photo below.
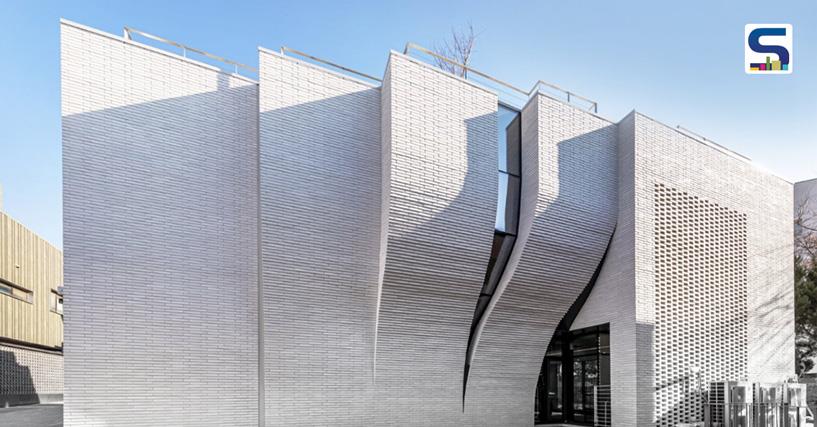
(625, 296)
(374, 228)
(679, 161)
(320, 242)
(568, 214)
(442, 167)
(160, 208)
(29, 375)
(612, 299)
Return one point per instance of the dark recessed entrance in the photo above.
(575, 363)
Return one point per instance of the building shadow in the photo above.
(160, 207)
(16, 382)
(441, 228)
(320, 197)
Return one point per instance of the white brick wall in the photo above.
(160, 208)
(442, 162)
(29, 375)
(651, 153)
(568, 213)
(372, 211)
(320, 215)
(678, 161)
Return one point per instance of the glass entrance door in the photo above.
(585, 377)
(575, 363)
(555, 402)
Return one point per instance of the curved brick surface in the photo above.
(440, 148)
(568, 213)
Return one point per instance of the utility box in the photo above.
(730, 404)
(795, 409)
(768, 404)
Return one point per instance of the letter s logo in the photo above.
(773, 55)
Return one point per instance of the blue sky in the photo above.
(678, 62)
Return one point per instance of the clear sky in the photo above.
(679, 62)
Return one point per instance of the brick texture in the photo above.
(29, 375)
(320, 235)
(441, 152)
(665, 156)
(365, 216)
(651, 154)
(160, 208)
(567, 215)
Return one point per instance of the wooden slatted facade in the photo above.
(29, 262)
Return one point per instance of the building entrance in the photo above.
(576, 363)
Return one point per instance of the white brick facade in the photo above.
(29, 375)
(320, 242)
(160, 212)
(652, 154)
(442, 158)
(568, 214)
(309, 249)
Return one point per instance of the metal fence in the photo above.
(511, 94)
(601, 406)
(236, 66)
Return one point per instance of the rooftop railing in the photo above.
(129, 32)
(710, 142)
(285, 49)
(516, 93)
(571, 98)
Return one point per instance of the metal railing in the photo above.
(711, 142)
(538, 87)
(129, 32)
(592, 105)
(601, 406)
(412, 46)
(285, 49)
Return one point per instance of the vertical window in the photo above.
(507, 215)
(56, 300)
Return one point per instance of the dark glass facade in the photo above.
(507, 214)
(575, 362)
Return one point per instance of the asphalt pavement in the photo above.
(45, 415)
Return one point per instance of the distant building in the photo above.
(313, 247)
(31, 318)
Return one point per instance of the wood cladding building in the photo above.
(31, 321)
(30, 287)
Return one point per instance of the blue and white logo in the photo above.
(768, 49)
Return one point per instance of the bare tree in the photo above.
(805, 231)
(459, 49)
(805, 284)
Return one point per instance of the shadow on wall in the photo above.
(563, 238)
(321, 242)
(16, 383)
(439, 245)
(162, 193)
(320, 192)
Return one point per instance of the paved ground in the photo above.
(46, 415)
